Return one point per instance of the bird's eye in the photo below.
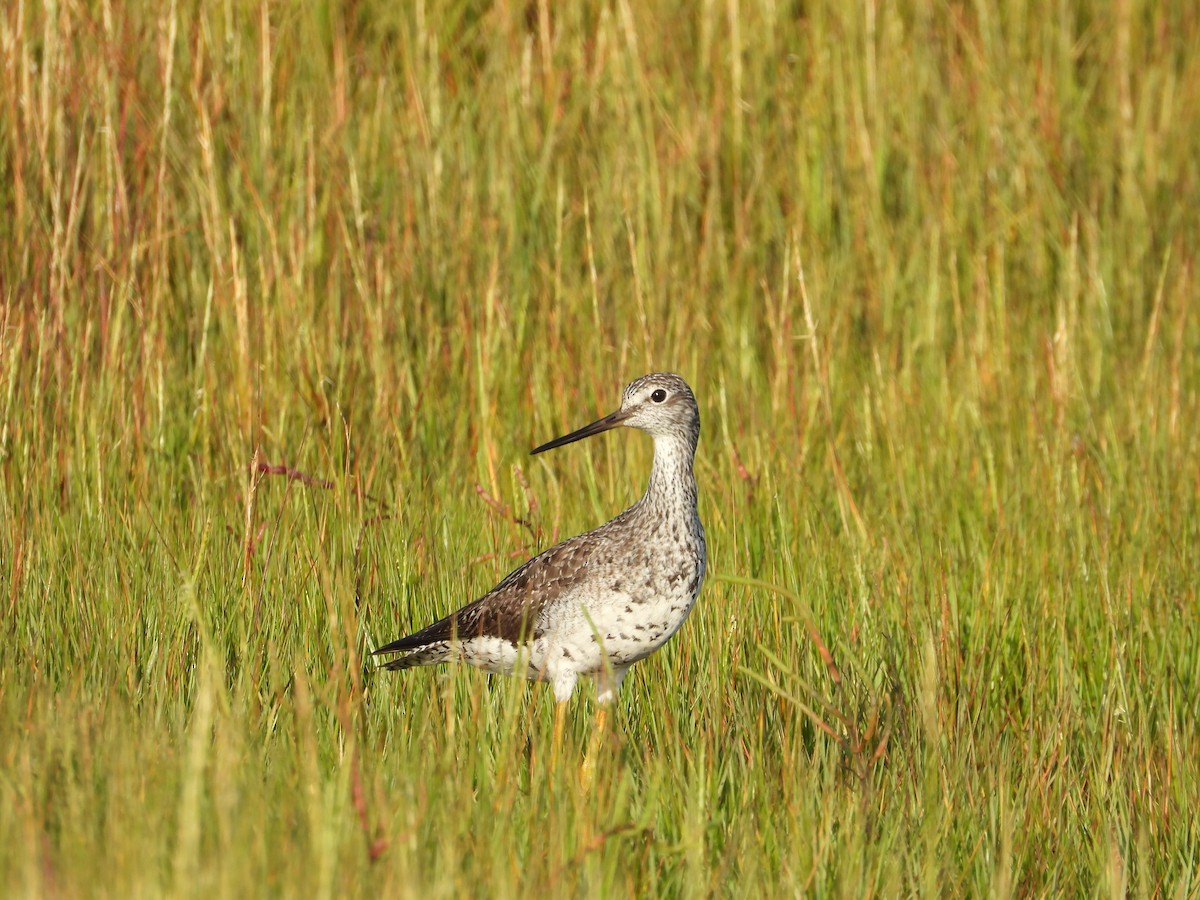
(659, 396)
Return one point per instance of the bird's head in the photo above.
(660, 404)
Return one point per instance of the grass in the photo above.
(931, 272)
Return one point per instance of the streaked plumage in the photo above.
(599, 602)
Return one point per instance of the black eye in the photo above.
(659, 396)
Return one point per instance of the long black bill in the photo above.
(612, 420)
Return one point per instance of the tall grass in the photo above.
(289, 291)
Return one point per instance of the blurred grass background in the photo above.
(930, 269)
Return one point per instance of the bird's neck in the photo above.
(672, 482)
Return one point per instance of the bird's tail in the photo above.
(412, 656)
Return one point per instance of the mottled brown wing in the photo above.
(512, 609)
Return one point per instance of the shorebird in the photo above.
(597, 603)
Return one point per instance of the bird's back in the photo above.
(630, 582)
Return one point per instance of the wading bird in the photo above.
(597, 603)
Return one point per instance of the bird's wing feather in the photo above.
(512, 609)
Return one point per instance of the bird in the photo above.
(595, 604)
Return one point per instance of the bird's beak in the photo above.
(612, 420)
